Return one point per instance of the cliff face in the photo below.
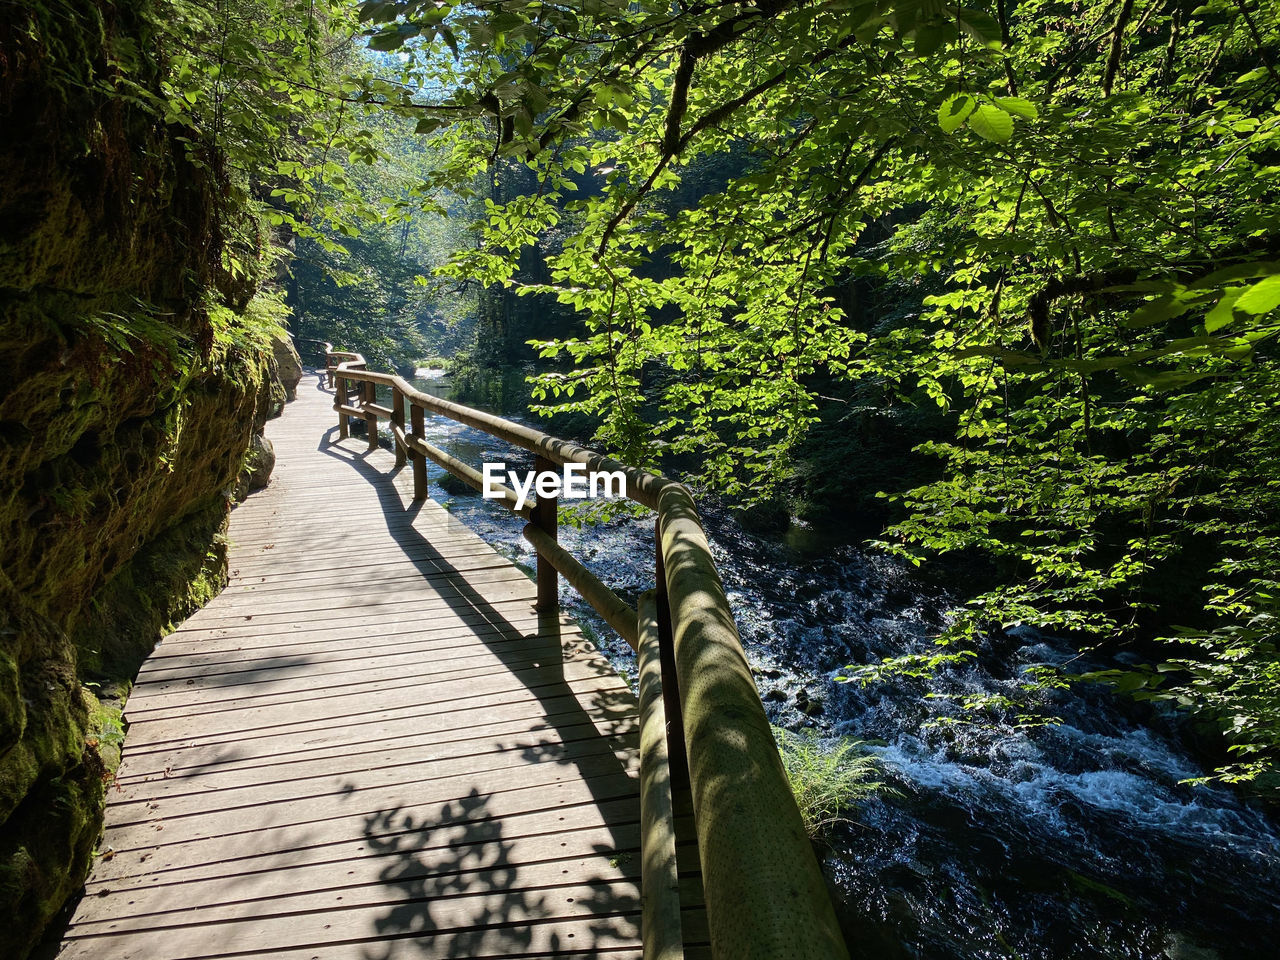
(130, 387)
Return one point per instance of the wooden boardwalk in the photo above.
(368, 746)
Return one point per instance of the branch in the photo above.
(1003, 17)
(679, 102)
(1117, 39)
(837, 204)
(1098, 281)
(1261, 47)
(674, 142)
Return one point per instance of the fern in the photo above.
(828, 777)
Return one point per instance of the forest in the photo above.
(964, 320)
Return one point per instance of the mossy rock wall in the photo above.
(123, 420)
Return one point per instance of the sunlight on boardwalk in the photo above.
(367, 746)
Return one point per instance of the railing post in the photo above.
(339, 401)
(670, 682)
(415, 457)
(545, 519)
(397, 419)
(369, 396)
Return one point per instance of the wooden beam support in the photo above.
(660, 924)
(608, 604)
(397, 425)
(546, 519)
(420, 491)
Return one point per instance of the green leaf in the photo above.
(1018, 107)
(930, 37)
(979, 25)
(1237, 271)
(991, 123)
(954, 111)
(445, 34)
(378, 12)
(1262, 297)
(1222, 314)
(1164, 380)
(1128, 682)
(1157, 311)
(390, 40)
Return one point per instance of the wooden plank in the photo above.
(528, 715)
(234, 661)
(435, 526)
(183, 863)
(560, 742)
(329, 659)
(385, 570)
(249, 665)
(445, 948)
(601, 696)
(449, 776)
(543, 784)
(519, 620)
(342, 611)
(355, 561)
(480, 934)
(338, 840)
(361, 880)
(252, 712)
(430, 540)
(299, 675)
(501, 583)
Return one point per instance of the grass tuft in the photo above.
(828, 777)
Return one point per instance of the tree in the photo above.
(1092, 189)
(371, 290)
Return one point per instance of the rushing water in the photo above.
(1071, 841)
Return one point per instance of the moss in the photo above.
(104, 729)
(94, 197)
(51, 779)
(47, 848)
(133, 386)
(164, 582)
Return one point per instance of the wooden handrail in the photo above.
(764, 892)
(659, 874)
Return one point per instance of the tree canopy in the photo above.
(1078, 200)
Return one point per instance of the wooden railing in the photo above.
(703, 728)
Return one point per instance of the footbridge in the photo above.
(384, 740)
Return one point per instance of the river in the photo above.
(1068, 841)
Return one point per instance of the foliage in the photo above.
(261, 89)
(254, 327)
(257, 95)
(1080, 197)
(373, 293)
(827, 777)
